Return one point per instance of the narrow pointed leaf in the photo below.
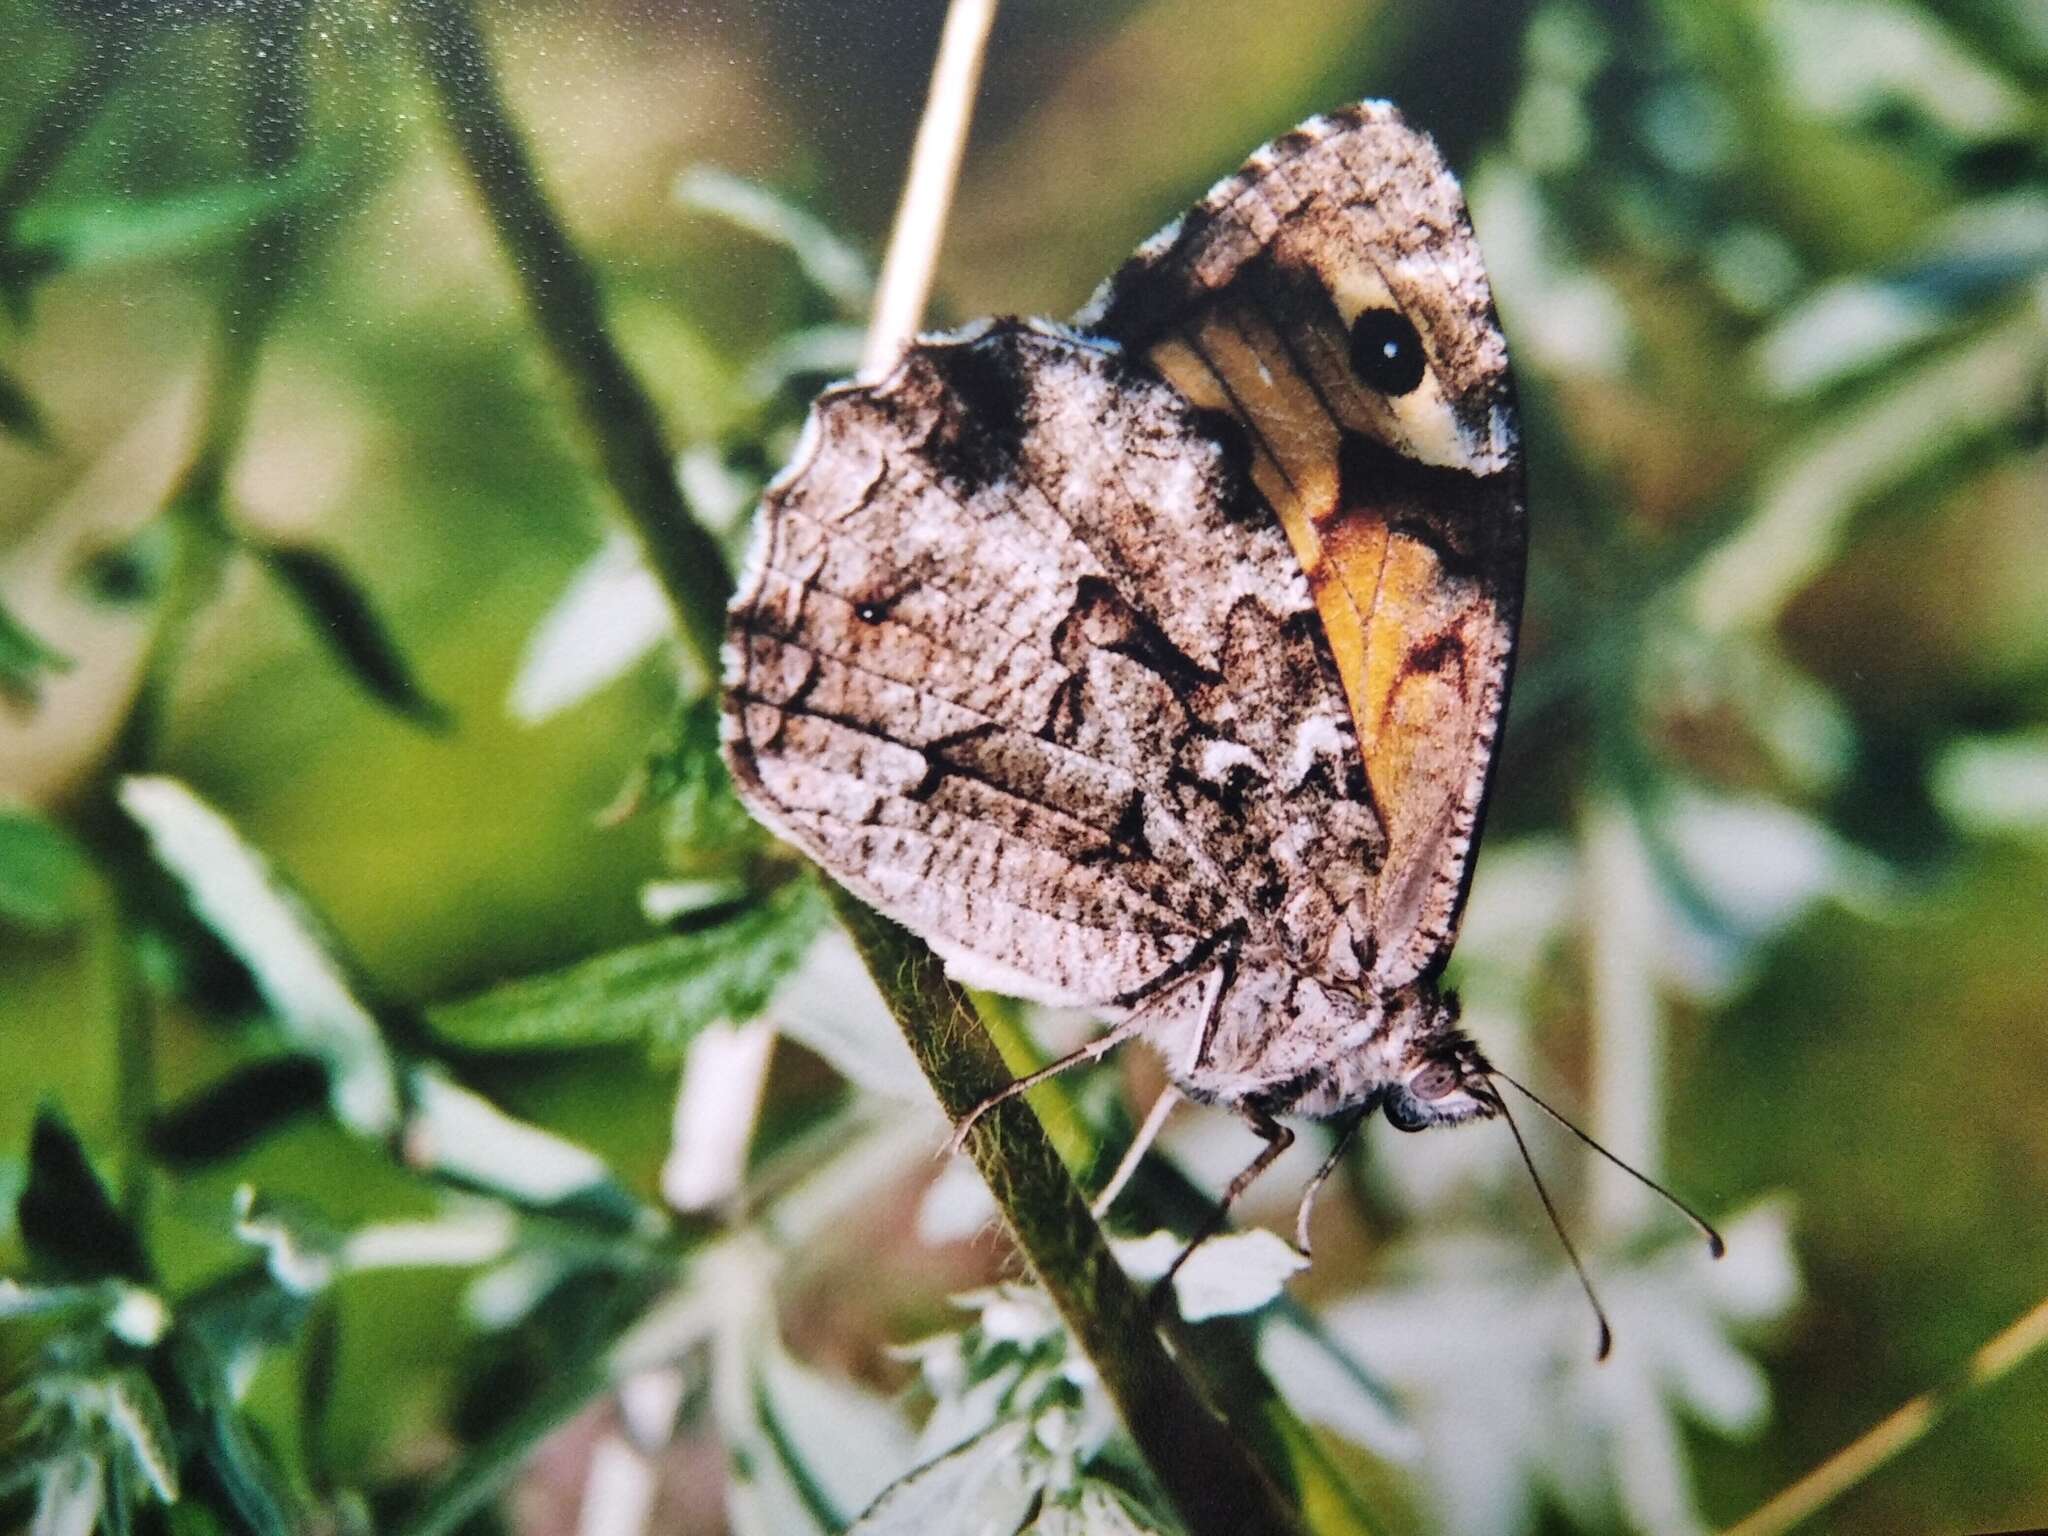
(983, 1486)
(19, 415)
(342, 617)
(687, 776)
(662, 992)
(69, 1497)
(45, 878)
(136, 1414)
(68, 1220)
(223, 1118)
(107, 231)
(24, 660)
(610, 615)
(296, 966)
(833, 267)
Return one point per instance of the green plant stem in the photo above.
(194, 516)
(110, 48)
(196, 508)
(479, 1476)
(134, 1061)
(1213, 1483)
(1897, 1430)
(1222, 1352)
(563, 294)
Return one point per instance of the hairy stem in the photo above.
(562, 292)
(1212, 1481)
(1210, 1476)
(1223, 1352)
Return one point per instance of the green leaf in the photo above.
(45, 877)
(295, 964)
(1802, 515)
(301, 1253)
(803, 361)
(18, 1300)
(833, 266)
(1096, 1508)
(610, 615)
(69, 1222)
(108, 230)
(19, 414)
(341, 615)
(661, 992)
(462, 1135)
(222, 1118)
(983, 1485)
(250, 1482)
(133, 1315)
(1995, 784)
(69, 1497)
(24, 660)
(687, 774)
(21, 269)
(835, 1441)
(319, 1374)
(1232, 1273)
(136, 1415)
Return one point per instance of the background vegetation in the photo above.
(535, 1154)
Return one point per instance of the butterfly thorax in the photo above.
(1254, 1033)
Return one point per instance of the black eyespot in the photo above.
(1433, 1082)
(869, 613)
(1403, 1113)
(1385, 351)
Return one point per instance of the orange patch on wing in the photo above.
(1355, 548)
(1374, 591)
(1397, 583)
(1190, 372)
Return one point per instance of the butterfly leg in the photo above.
(1155, 1120)
(1345, 1132)
(1092, 1051)
(1278, 1139)
(1150, 998)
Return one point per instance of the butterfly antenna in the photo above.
(1557, 1226)
(1714, 1244)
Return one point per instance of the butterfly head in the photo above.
(1442, 1078)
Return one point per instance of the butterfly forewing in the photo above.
(1050, 690)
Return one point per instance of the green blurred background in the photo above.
(1773, 277)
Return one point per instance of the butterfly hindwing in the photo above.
(1328, 302)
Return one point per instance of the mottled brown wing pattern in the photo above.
(1018, 659)
(1403, 506)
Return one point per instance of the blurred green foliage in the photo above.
(294, 510)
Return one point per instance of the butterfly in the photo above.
(1155, 663)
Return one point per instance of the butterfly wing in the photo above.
(1019, 660)
(1329, 304)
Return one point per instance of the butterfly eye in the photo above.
(1433, 1082)
(1385, 351)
